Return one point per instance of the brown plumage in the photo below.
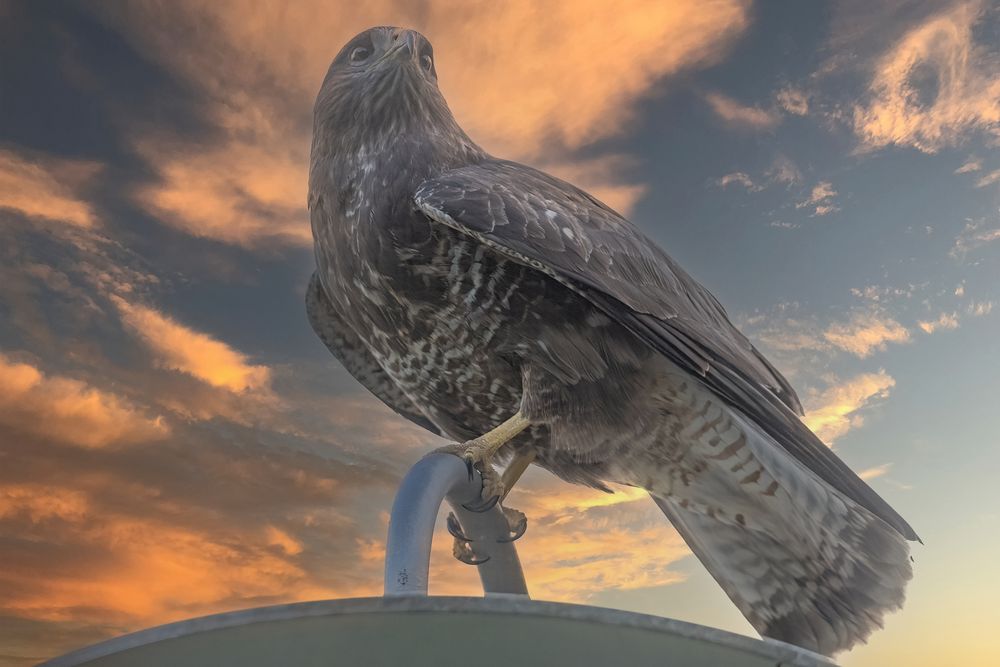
(460, 288)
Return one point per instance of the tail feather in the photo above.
(826, 599)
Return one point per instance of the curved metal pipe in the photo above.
(434, 478)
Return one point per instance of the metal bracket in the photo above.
(435, 478)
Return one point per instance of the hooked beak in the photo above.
(404, 46)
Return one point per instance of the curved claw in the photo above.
(455, 528)
(471, 466)
(483, 506)
(471, 560)
(463, 553)
(518, 532)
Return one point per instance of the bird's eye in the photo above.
(360, 54)
(426, 62)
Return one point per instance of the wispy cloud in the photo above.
(69, 410)
(46, 187)
(836, 410)
(970, 165)
(974, 235)
(820, 199)
(988, 179)
(739, 115)
(874, 472)
(793, 101)
(866, 332)
(944, 321)
(784, 171)
(737, 178)
(199, 355)
(934, 86)
(980, 308)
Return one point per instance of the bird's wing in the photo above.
(562, 231)
(341, 340)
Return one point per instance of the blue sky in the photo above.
(175, 441)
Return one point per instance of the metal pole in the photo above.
(434, 478)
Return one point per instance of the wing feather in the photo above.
(564, 232)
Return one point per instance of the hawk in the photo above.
(515, 313)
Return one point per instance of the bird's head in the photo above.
(383, 83)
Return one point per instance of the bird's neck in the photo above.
(388, 163)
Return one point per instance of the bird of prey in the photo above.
(515, 313)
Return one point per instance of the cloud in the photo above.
(945, 321)
(239, 193)
(820, 199)
(112, 539)
(988, 179)
(980, 308)
(45, 187)
(803, 341)
(874, 472)
(738, 178)
(972, 164)
(182, 349)
(70, 411)
(833, 412)
(793, 101)
(580, 542)
(866, 333)
(551, 90)
(974, 235)
(933, 87)
(738, 115)
(784, 171)
(135, 570)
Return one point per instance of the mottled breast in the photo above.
(442, 321)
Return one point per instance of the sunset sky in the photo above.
(175, 441)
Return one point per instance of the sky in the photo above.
(174, 440)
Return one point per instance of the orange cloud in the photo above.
(46, 188)
(558, 79)
(866, 333)
(149, 571)
(970, 165)
(820, 199)
(793, 101)
(874, 472)
(834, 412)
(69, 410)
(580, 542)
(738, 178)
(989, 179)
(199, 355)
(945, 321)
(966, 86)
(740, 115)
(239, 193)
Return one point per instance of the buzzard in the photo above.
(518, 315)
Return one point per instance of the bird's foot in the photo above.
(477, 456)
(517, 524)
(462, 550)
